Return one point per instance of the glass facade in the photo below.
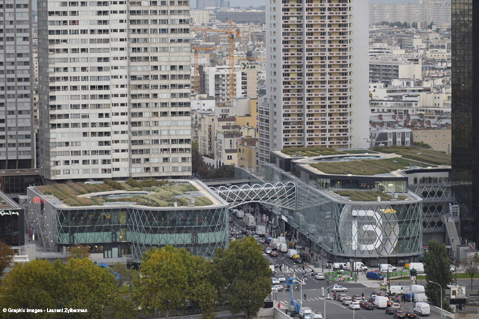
(465, 112)
(11, 227)
(345, 228)
(130, 228)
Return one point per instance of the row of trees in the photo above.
(169, 279)
(200, 168)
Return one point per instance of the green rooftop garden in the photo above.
(418, 154)
(364, 167)
(362, 196)
(310, 151)
(160, 194)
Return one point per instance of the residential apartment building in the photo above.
(114, 89)
(217, 79)
(437, 12)
(317, 76)
(248, 156)
(17, 141)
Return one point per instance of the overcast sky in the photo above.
(258, 3)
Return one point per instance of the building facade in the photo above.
(465, 96)
(12, 219)
(114, 89)
(17, 141)
(317, 76)
(438, 12)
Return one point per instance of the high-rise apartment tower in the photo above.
(465, 113)
(17, 146)
(114, 89)
(317, 75)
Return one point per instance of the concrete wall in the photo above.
(440, 140)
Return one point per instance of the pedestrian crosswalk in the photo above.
(286, 302)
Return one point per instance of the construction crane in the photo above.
(232, 34)
(197, 48)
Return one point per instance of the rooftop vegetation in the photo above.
(418, 154)
(310, 151)
(364, 195)
(364, 167)
(161, 193)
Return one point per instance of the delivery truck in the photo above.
(249, 220)
(261, 230)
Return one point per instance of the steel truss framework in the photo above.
(436, 201)
(347, 228)
(278, 194)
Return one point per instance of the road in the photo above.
(312, 289)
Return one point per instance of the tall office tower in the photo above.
(114, 89)
(17, 146)
(317, 75)
(465, 113)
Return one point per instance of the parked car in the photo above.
(354, 305)
(281, 278)
(320, 276)
(390, 310)
(275, 281)
(399, 314)
(339, 288)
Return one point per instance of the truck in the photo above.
(249, 220)
(418, 297)
(284, 247)
(294, 306)
(292, 252)
(282, 240)
(418, 266)
(273, 243)
(305, 313)
(337, 266)
(239, 213)
(356, 266)
(260, 230)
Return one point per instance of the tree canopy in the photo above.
(437, 269)
(471, 266)
(6, 256)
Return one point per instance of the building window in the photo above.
(229, 157)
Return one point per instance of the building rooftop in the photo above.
(145, 193)
(7, 203)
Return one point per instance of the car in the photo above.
(346, 300)
(354, 305)
(274, 254)
(275, 281)
(281, 278)
(362, 303)
(390, 310)
(340, 297)
(357, 297)
(399, 314)
(339, 288)
(453, 268)
(268, 250)
(278, 287)
(298, 260)
(411, 314)
(383, 286)
(369, 306)
(320, 276)
(373, 294)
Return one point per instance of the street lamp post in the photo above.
(441, 294)
(301, 291)
(326, 289)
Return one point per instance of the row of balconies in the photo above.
(298, 78)
(321, 78)
(293, 30)
(293, 135)
(326, 29)
(292, 127)
(293, 38)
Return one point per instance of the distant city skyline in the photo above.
(257, 3)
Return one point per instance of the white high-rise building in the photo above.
(316, 75)
(17, 146)
(114, 89)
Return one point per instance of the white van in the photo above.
(418, 266)
(396, 290)
(380, 302)
(305, 313)
(316, 315)
(422, 309)
(417, 288)
(385, 267)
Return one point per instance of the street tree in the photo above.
(85, 285)
(471, 266)
(204, 291)
(6, 256)
(163, 284)
(79, 252)
(243, 276)
(437, 269)
(126, 274)
(31, 285)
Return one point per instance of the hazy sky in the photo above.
(258, 3)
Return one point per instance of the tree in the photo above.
(126, 275)
(79, 252)
(437, 269)
(163, 284)
(243, 276)
(471, 265)
(6, 256)
(31, 285)
(124, 307)
(203, 291)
